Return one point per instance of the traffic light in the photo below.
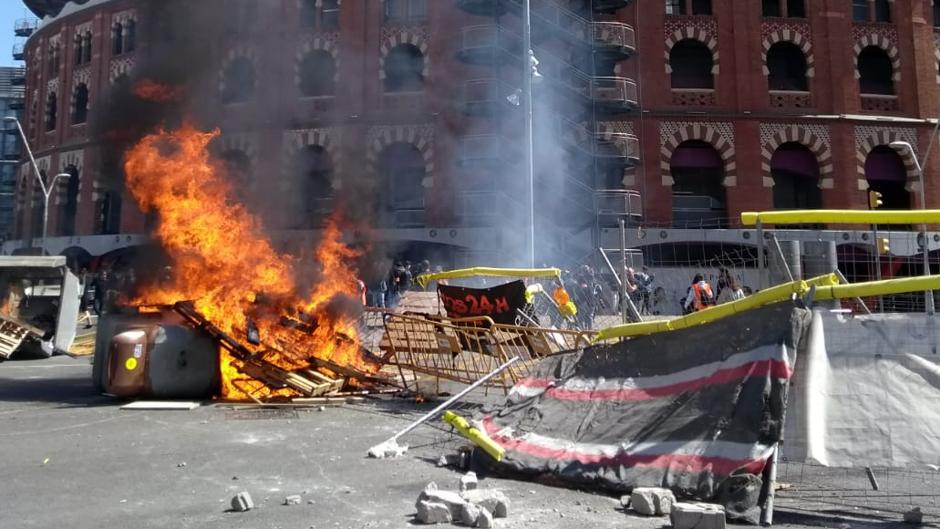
(884, 246)
(874, 199)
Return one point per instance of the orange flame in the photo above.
(150, 90)
(223, 261)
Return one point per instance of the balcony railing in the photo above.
(618, 203)
(25, 27)
(490, 150)
(487, 96)
(19, 52)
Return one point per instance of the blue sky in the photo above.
(10, 12)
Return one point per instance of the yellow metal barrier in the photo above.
(764, 297)
(841, 216)
(879, 288)
(424, 279)
(476, 436)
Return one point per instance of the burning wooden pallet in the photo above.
(307, 382)
(12, 334)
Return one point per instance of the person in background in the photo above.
(377, 288)
(644, 289)
(699, 296)
(736, 291)
(398, 283)
(723, 286)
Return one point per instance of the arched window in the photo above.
(81, 104)
(404, 69)
(238, 81)
(308, 13)
(698, 191)
(787, 66)
(401, 195)
(313, 169)
(52, 111)
(329, 16)
(936, 13)
(77, 49)
(701, 7)
(317, 74)
(130, 35)
(117, 39)
(875, 71)
(885, 173)
(691, 63)
(796, 178)
(69, 209)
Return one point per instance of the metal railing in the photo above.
(25, 27)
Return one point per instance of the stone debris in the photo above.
(181, 465)
(625, 501)
(293, 499)
(493, 501)
(430, 512)
(485, 519)
(697, 516)
(469, 514)
(387, 450)
(652, 501)
(468, 481)
(242, 502)
(449, 460)
(914, 516)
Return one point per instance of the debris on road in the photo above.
(473, 507)
(433, 513)
(492, 500)
(468, 481)
(914, 516)
(652, 501)
(697, 516)
(293, 499)
(242, 502)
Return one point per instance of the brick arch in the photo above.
(699, 132)
(808, 139)
(73, 97)
(74, 159)
(411, 136)
(296, 140)
(936, 56)
(883, 138)
(317, 43)
(403, 37)
(885, 44)
(238, 53)
(793, 37)
(695, 34)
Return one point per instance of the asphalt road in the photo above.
(71, 458)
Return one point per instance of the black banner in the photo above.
(499, 303)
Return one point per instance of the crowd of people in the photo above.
(385, 289)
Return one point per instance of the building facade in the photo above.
(666, 113)
(11, 104)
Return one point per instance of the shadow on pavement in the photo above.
(75, 390)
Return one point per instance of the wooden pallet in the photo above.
(12, 334)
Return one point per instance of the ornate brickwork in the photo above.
(237, 53)
(689, 97)
(709, 37)
(885, 38)
(813, 136)
(67, 160)
(868, 137)
(393, 36)
(798, 34)
(294, 140)
(717, 134)
(121, 66)
(421, 136)
(321, 41)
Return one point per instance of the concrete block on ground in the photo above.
(914, 516)
(430, 512)
(697, 516)
(493, 501)
(242, 502)
(625, 501)
(652, 501)
(293, 499)
(485, 519)
(452, 500)
(469, 514)
(468, 481)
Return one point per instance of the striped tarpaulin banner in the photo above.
(682, 409)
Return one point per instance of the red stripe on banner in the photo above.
(774, 368)
(675, 462)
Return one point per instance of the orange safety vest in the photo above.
(698, 290)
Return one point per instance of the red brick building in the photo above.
(683, 111)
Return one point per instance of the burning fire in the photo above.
(150, 90)
(224, 263)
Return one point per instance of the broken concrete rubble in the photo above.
(468, 481)
(485, 519)
(493, 501)
(293, 499)
(452, 500)
(652, 501)
(697, 516)
(914, 516)
(469, 514)
(242, 502)
(430, 512)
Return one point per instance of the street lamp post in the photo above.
(905, 149)
(527, 109)
(46, 190)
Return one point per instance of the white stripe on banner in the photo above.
(536, 387)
